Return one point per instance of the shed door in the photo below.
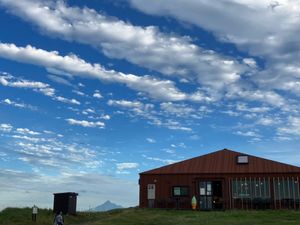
(151, 191)
(151, 195)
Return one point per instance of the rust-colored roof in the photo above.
(224, 162)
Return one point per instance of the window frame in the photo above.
(180, 187)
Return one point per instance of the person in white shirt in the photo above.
(34, 213)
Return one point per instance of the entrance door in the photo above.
(210, 195)
(205, 195)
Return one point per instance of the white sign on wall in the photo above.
(151, 191)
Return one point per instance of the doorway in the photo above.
(211, 195)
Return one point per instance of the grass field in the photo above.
(134, 216)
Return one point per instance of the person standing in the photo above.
(34, 213)
(59, 220)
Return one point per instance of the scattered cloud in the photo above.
(66, 100)
(247, 133)
(6, 127)
(97, 94)
(43, 88)
(292, 128)
(151, 140)
(154, 87)
(59, 80)
(276, 45)
(124, 166)
(138, 45)
(18, 105)
(164, 161)
(85, 123)
(10, 81)
(26, 131)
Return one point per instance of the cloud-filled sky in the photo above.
(94, 92)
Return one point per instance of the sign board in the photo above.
(151, 191)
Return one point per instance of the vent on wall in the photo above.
(242, 159)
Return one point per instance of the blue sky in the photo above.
(94, 92)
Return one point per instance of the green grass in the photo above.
(135, 216)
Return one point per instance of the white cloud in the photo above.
(18, 105)
(147, 111)
(240, 23)
(124, 166)
(268, 121)
(126, 104)
(291, 128)
(85, 123)
(105, 117)
(66, 100)
(247, 133)
(269, 97)
(97, 94)
(59, 80)
(26, 131)
(24, 137)
(80, 93)
(138, 45)
(10, 81)
(155, 88)
(164, 161)
(151, 140)
(175, 125)
(88, 111)
(181, 110)
(243, 107)
(180, 145)
(6, 127)
(35, 86)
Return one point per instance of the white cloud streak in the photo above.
(124, 166)
(7, 101)
(155, 88)
(240, 23)
(138, 45)
(40, 87)
(85, 123)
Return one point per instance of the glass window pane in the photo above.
(184, 191)
(202, 188)
(208, 188)
(176, 191)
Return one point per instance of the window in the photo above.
(251, 188)
(180, 191)
(286, 188)
(242, 159)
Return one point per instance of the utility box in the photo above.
(65, 202)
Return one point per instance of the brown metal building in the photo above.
(222, 180)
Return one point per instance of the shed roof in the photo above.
(224, 162)
(66, 194)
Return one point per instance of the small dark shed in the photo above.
(65, 202)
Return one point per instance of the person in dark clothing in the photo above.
(58, 219)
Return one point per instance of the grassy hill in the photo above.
(134, 216)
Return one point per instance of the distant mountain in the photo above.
(106, 206)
